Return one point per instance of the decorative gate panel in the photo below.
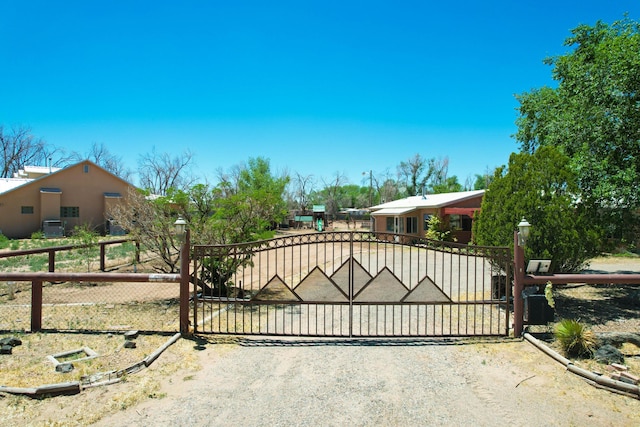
(351, 284)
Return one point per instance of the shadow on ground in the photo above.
(598, 304)
(201, 341)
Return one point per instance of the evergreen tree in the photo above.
(542, 188)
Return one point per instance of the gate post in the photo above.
(518, 286)
(184, 283)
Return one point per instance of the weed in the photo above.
(37, 235)
(37, 262)
(4, 241)
(574, 338)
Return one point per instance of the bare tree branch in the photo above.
(160, 172)
(100, 155)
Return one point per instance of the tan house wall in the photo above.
(49, 205)
(82, 186)
(380, 222)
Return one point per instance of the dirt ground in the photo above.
(421, 382)
(278, 381)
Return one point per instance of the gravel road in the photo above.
(311, 382)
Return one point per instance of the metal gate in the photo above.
(351, 284)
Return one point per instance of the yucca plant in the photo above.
(575, 338)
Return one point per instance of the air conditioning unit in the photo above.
(52, 228)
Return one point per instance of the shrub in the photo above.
(436, 230)
(37, 235)
(4, 241)
(575, 338)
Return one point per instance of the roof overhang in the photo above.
(393, 211)
(460, 211)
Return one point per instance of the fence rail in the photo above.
(37, 301)
(51, 251)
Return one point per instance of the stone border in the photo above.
(592, 378)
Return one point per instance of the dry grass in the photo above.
(28, 366)
(69, 309)
(91, 404)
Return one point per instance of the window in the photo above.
(426, 218)
(390, 224)
(460, 222)
(86, 168)
(26, 209)
(412, 225)
(395, 224)
(69, 212)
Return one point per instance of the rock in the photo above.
(64, 368)
(12, 341)
(616, 339)
(608, 354)
(6, 349)
(129, 344)
(131, 335)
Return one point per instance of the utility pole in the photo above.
(370, 186)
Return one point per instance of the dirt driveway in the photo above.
(253, 381)
(312, 382)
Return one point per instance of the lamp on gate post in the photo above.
(524, 228)
(182, 231)
(519, 241)
(181, 227)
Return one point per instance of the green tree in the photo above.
(482, 182)
(448, 185)
(230, 212)
(592, 116)
(543, 188)
(421, 174)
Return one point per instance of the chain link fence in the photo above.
(86, 305)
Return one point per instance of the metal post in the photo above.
(52, 261)
(36, 305)
(184, 283)
(102, 256)
(518, 286)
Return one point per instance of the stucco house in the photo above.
(411, 215)
(80, 194)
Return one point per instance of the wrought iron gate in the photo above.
(351, 284)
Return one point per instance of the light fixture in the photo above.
(180, 226)
(524, 229)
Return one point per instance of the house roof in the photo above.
(421, 202)
(393, 211)
(28, 171)
(7, 184)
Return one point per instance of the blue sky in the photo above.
(318, 88)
